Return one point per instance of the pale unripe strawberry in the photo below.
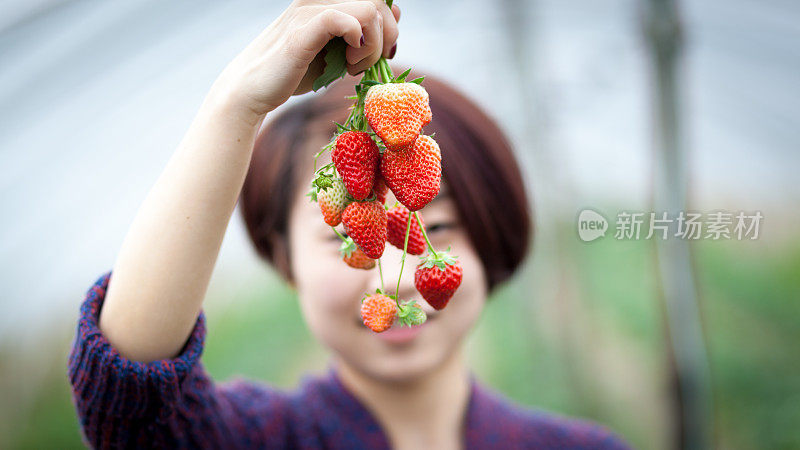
(332, 202)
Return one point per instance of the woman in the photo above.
(135, 367)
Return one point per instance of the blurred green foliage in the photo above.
(540, 350)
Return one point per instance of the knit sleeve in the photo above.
(166, 403)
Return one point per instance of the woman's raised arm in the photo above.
(163, 268)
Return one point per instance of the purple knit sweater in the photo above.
(173, 403)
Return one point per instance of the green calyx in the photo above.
(409, 314)
(348, 246)
(440, 260)
(321, 182)
(402, 77)
(377, 291)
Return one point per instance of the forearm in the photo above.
(166, 260)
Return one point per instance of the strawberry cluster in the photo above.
(379, 148)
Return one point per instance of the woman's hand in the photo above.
(285, 58)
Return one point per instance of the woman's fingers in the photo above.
(369, 27)
(390, 31)
(396, 12)
(380, 33)
(367, 13)
(327, 23)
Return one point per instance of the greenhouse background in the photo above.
(94, 96)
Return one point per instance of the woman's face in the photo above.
(330, 291)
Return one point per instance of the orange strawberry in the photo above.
(396, 230)
(414, 173)
(437, 278)
(365, 222)
(332, 202)
(397, 112)
(378, 312)
(354, 256)
(355, 156)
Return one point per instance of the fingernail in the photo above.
(361, 42)
(392, 51)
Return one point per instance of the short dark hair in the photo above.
(478, 165)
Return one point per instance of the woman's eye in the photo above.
(440, 226)
(334, 237)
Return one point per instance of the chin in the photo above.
(400, 367)
(399, 355)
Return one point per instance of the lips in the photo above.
(398, 334)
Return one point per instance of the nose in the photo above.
(391, 262)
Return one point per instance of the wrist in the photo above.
(225, 101)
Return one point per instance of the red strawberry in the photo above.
(378, 312)
(414, 173)
(437, 278)
(380, 188)
(356, 159)
(365, 222)
(354, 256)
(332, 202)
(397, 112)
(396, 230)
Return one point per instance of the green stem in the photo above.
(386, 69)
(380, 271)
(424, 234)
(315, 159)
(402, 262)
(339, 234)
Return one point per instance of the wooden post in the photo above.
(687, 352)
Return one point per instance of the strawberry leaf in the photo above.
(417, 80)
(402, 77)
(335, 63)
(340, 128)
(312, 193)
